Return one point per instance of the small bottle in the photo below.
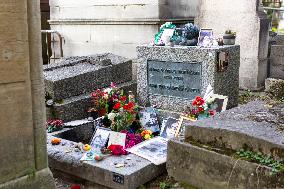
(131, 97)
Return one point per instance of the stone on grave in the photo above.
(210, 144)
(79, 75)
(170, 77)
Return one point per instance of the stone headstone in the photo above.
(170, 78)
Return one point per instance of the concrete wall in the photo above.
(23, 143)
(117, 26)
(251, 25)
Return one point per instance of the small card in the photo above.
(117, 138)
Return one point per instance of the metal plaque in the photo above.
(174, 79)
(118, 178)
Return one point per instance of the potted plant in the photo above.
(229, 37)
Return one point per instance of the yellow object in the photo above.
(55, 141)
(147, 136)
(86, 147)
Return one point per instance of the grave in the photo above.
(69, 82)
(170, 77)
(206, 157)
(64, 158)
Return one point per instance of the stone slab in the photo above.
(206, 169)
(36, 180)
(255, 125)
(224, 83)
(64, 158)
(70, 78)
(275, 87)
(75, 108)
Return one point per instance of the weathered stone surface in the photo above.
(224, 83)
(65, 159)
(34, 180)
(23, 146)
(252, 34)
(277, 61)
(275, 87)
(254, 125)
(206, 169)
(72, 78)
(90, 30)
(75, 108)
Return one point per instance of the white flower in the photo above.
(49, 102)
(105, 96)
(210, 100)
(107, 90)
(111, 116)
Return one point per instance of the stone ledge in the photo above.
(75, 108)
(206, 169)
(40, 180)
(253, 125)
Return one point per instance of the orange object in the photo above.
(55, 141)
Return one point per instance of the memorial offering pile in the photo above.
(169, 34)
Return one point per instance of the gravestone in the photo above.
(170, 77)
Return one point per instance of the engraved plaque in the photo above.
(174, 79)
(118, 178)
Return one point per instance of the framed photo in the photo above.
(149, 120)
(99, 139)
(170, 127)
(154, 150)
(220, 102)
(205, 36)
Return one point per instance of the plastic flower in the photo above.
(198, 101)
(147, 136)
(116, 106)
(111, 116)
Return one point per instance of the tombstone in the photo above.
(170, 77)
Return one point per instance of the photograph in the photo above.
(170, 128)
(99, 139)
(117, 138)
(220, 102)
(154, 150)
(149, 120)
(205, 36)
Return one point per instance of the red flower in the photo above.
(116, 106)
(116, 150)
(200, 109)
(123, 98)
(211, 112)
(75, 186)
(198, 101)
(131, 104)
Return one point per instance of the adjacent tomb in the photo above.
(239, 148)
(170, 77)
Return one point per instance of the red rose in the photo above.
(198, 101)
(116, 150)
(116, 106)
(200, 109)
(126, 107)
(131, 104)
(75, 186)
(211, 112)
(123, 98)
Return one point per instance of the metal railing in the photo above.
(51, 42)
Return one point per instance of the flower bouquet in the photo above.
(54, 125)
(200, 109)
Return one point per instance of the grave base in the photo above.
(64, 158)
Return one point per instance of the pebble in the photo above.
(119, 165)
(128, 158)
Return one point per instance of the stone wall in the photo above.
(116, 26)
(251, 26)
(23, 142)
